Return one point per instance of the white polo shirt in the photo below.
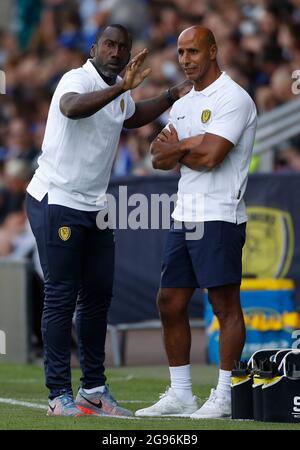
(224, 109)
(77, 155)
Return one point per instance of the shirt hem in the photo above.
(210, 218)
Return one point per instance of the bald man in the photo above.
(210, 134)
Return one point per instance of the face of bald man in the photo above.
(196, 53)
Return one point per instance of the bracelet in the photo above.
(170, 97)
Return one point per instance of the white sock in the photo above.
(95, 389)
(224, 383)
(181, 382)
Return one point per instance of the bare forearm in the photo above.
(195, 162)
(78, 106)
(195, 159)
(165, 156)
(196, 156)
(205, 151)
(148, 110)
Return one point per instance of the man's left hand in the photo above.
(134, 76)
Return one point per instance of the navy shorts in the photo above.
(213, 260)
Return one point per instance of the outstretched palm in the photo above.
(134, 75)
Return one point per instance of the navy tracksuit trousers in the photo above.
(78, 265)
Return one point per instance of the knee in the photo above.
(163, 301)
(227, 315)
(94, 300)
(60, 298)
(221, 313)
(170, 305)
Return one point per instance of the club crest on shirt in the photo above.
(64, 233)
(205, 116)
(122, 105)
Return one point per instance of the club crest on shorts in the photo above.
(205, 116)
(64, 233)
(122, 105)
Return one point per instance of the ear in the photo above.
(93, 51)
(213, 52)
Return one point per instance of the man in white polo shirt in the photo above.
(211, 134)
(88, 110)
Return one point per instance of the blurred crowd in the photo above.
(259, 47)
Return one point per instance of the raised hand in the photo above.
(134, 75)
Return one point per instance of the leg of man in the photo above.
(93, 303)
(178, 400)
(226, 306)
(222, 253)
(173, 308)
(225, 301)
(60, 256)
(173, 299)
(91, 319)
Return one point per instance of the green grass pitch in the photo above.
(134, 387)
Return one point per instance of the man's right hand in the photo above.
(134, 75)
(165, 149)
(168, 135)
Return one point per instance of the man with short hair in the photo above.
(88, 110)
(211, 134)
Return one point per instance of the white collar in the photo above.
(210, 89)
(89, 67)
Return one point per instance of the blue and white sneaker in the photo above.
(100, 404)
(63, 405)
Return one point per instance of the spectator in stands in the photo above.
(19, 141)
(16, 176)
(12, 194)
(259, 47)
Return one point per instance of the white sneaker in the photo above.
(216, 407)
(169, 405)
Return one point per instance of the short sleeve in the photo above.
(231, 117)
(74, 81)
(130, 110)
